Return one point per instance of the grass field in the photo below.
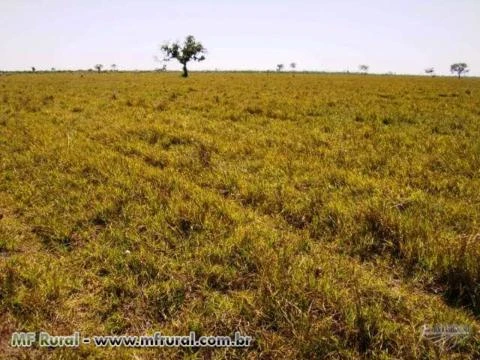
(326, 216)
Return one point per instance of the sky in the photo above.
(399, 36)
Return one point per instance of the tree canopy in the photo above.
(363, 68)
(459, 68)
(191, 49)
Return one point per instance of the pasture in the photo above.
(324, 215)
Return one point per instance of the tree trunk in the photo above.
(185, 71)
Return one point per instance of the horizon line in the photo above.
(345, 72)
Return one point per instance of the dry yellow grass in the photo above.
(326, 216)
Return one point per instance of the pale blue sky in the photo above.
(402, 36)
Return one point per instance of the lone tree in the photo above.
(293, 65)
(99, 67)
(189, 50)
(363, 69)
(459, 68)
(33, 69)
(114, 67)
(430, 71)
(280, 67)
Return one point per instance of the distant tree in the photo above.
(191, 49)
(164, 66)
(99, 67)
(53, 69)
(33, 69)
(459, 68)
(114, 67)
(293, 65)
(363, 69)
(162, 69)
(430, 71)
(280, 67)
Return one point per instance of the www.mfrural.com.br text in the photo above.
(44, 339)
